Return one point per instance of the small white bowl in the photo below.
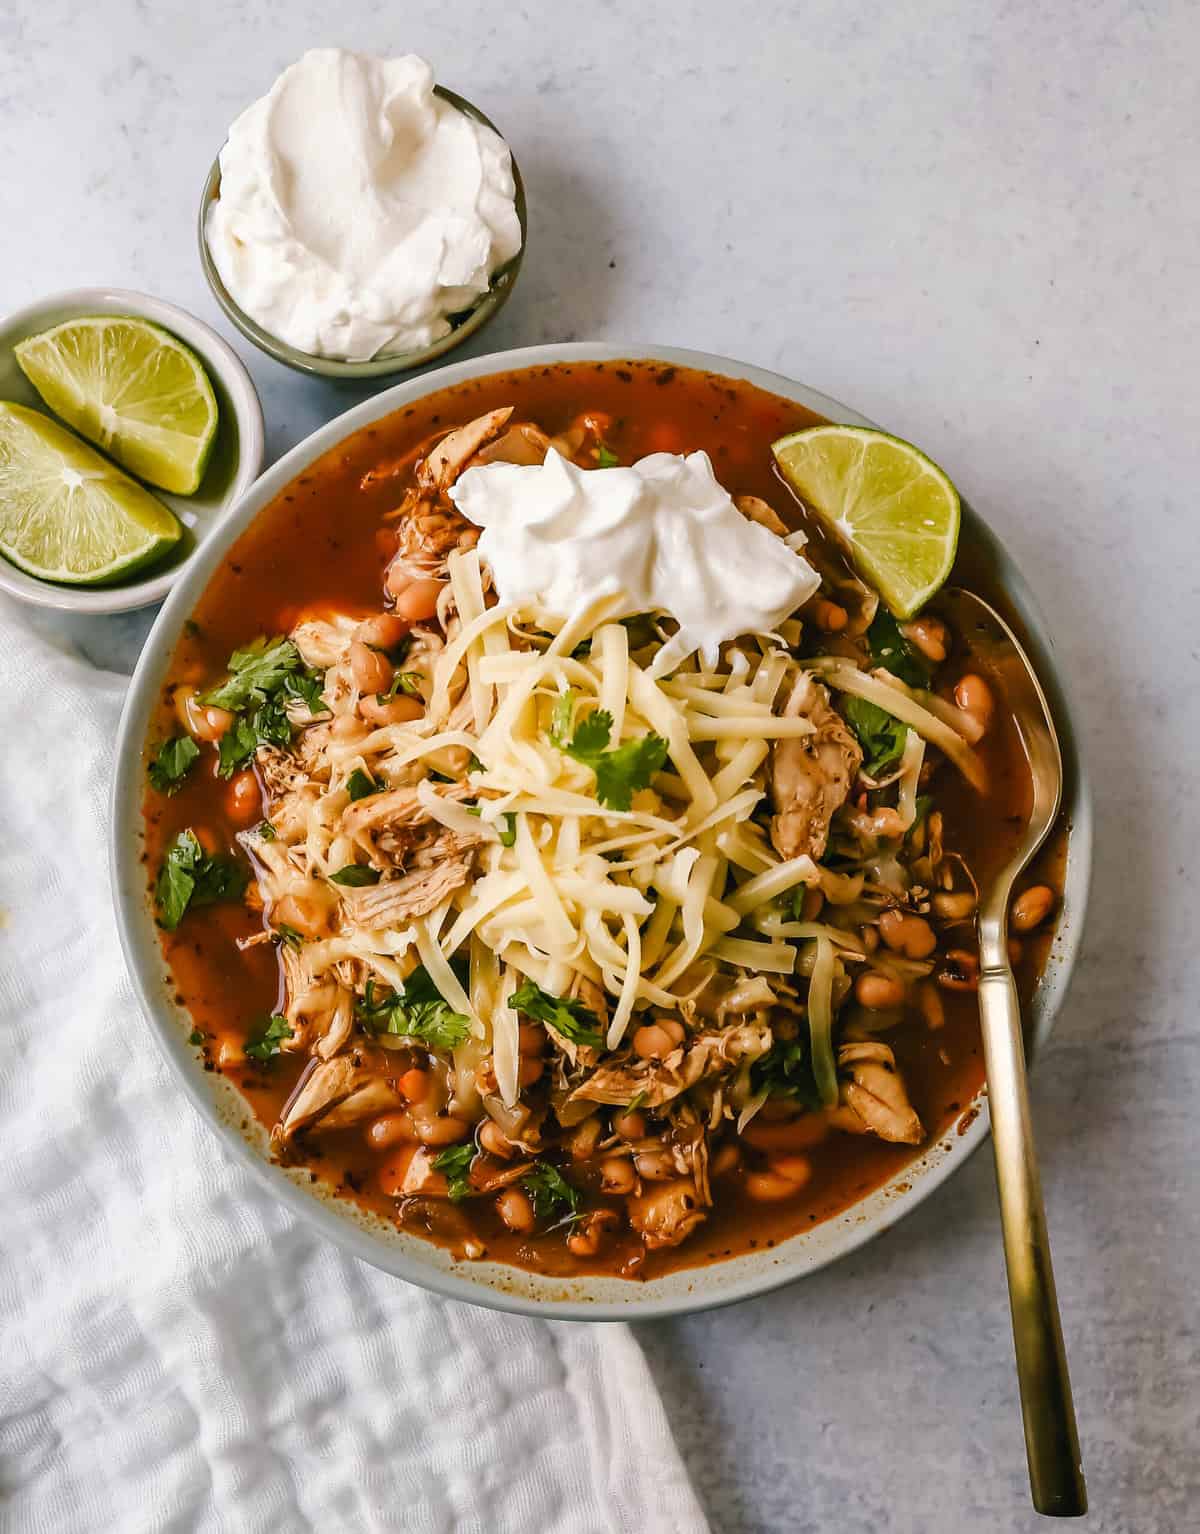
(235, 464)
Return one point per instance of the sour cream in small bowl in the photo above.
(360, 220)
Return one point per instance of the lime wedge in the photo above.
(131, 388)
(893, 510)
(66, 513)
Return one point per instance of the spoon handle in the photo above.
(1051, 1439)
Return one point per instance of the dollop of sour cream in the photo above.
(663, 535)
(357, 209)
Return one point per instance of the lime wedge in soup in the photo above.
(133, 389)
(67, 513)
(892, 509)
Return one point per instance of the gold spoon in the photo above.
(1051, 1440)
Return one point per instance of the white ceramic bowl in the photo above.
(236, 460)
(493, 1284)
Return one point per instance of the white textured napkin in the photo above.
(178, 1352)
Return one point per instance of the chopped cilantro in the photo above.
(172, 762)
(268, 725)
(195, 1037)
(605, 457)
(404, 681)
(572, 1019)
(549, 1189)
(355, 876)
(361, 785)
(880, 734)
(418, 1011)
(265, 1045)
(263, 678)
(255, 674)
(190, 877)
(786, 1071)
(266, 830)
(289, 935)
(892, 651)
(455, 1164)
(619, 773)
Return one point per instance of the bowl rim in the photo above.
(219, 359)
(485, 307)
(494, 1285)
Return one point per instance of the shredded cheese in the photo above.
(439, 970)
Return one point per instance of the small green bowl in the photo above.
(461, 326)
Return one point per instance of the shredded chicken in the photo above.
(323, 642)
(657, 1082)
(757, 510)
(875, 1094)
(396, 902)
(281, 771)
(811, 775)
(334, 1094)
(523, 443)
(437, 472)
(666, 1213)
(430, 528)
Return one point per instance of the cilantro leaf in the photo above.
(355, 876)
(172, 762)
(549, 1190)
(289, 935)
(403, 681)
(572, 1019)
(263, 679)
(190, 877)
(265, 1045)
(892, 651)
(361, 785)
(236, 747)
(417, 1011)
(620, 773)
(255, 674)
(605, 457)
(266, 830)
(880, 734)
(455, 1163)
(786, 1071)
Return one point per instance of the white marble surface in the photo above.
(979, 224)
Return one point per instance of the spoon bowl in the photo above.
(1051, 1438)
(996, 646)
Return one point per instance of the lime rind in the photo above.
(69, 515)
(133, 389)
(893, 509)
